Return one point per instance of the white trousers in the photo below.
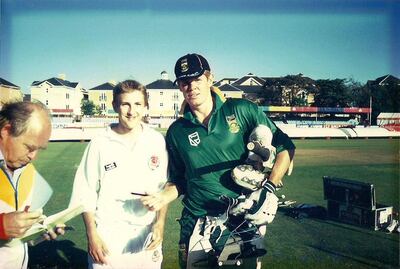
(14, 257)
(126, 245)
(141, 260)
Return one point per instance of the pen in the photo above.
(140, 194)
(34, 242)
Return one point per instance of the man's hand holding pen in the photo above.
(153, 201)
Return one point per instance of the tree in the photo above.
(355, 92)
(98, 110)
(385, 98)
(272, 95)
(298, 101)
(88, 107)
(332, 93)
(360, 97)
(393, 104)
(291, 90)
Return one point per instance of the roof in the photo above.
(228, 87)
(217, 84)
(250, 89)
(103, 87)
(57, 82)
(161, 84)
(248, 76)
(27, 97)
(6, 83)
(387, 79)
(288, 80)
(386, 115)
(269, 81)
(230, 80)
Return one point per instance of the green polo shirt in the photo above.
(201, 158)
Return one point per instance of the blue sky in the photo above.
(93, 42)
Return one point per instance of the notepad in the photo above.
(48, 223)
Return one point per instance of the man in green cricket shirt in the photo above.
(204, 146)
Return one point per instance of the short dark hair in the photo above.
(18, 115)
(130, 86)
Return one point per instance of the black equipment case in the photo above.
(354, 202)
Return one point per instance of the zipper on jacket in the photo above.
(14, 188)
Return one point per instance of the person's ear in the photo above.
(6, 130)
(210, 79)
(115, 106)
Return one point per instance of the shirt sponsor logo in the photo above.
(110, 166)
(154, 162)
(232, 123)
(194, 139)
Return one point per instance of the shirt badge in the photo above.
(156, 256)
(154, 162)
(232, 123)
(194, 139)
(110, 166)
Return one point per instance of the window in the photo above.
(103, 97)
(67, 95)
(47, 102)
(161, 104)
(67, 106)
(161, 93)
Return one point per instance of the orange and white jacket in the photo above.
(15, 194)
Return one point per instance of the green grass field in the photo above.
(291, 243)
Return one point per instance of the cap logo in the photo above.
(184, 65)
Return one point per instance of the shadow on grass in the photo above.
(361, 230)
(319, 214)
(57, 254)
(355, 259)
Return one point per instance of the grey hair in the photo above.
(18, 114)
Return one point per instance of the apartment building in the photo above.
(165, 100)
(102, 96)
(61, 96)
(9, 92)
